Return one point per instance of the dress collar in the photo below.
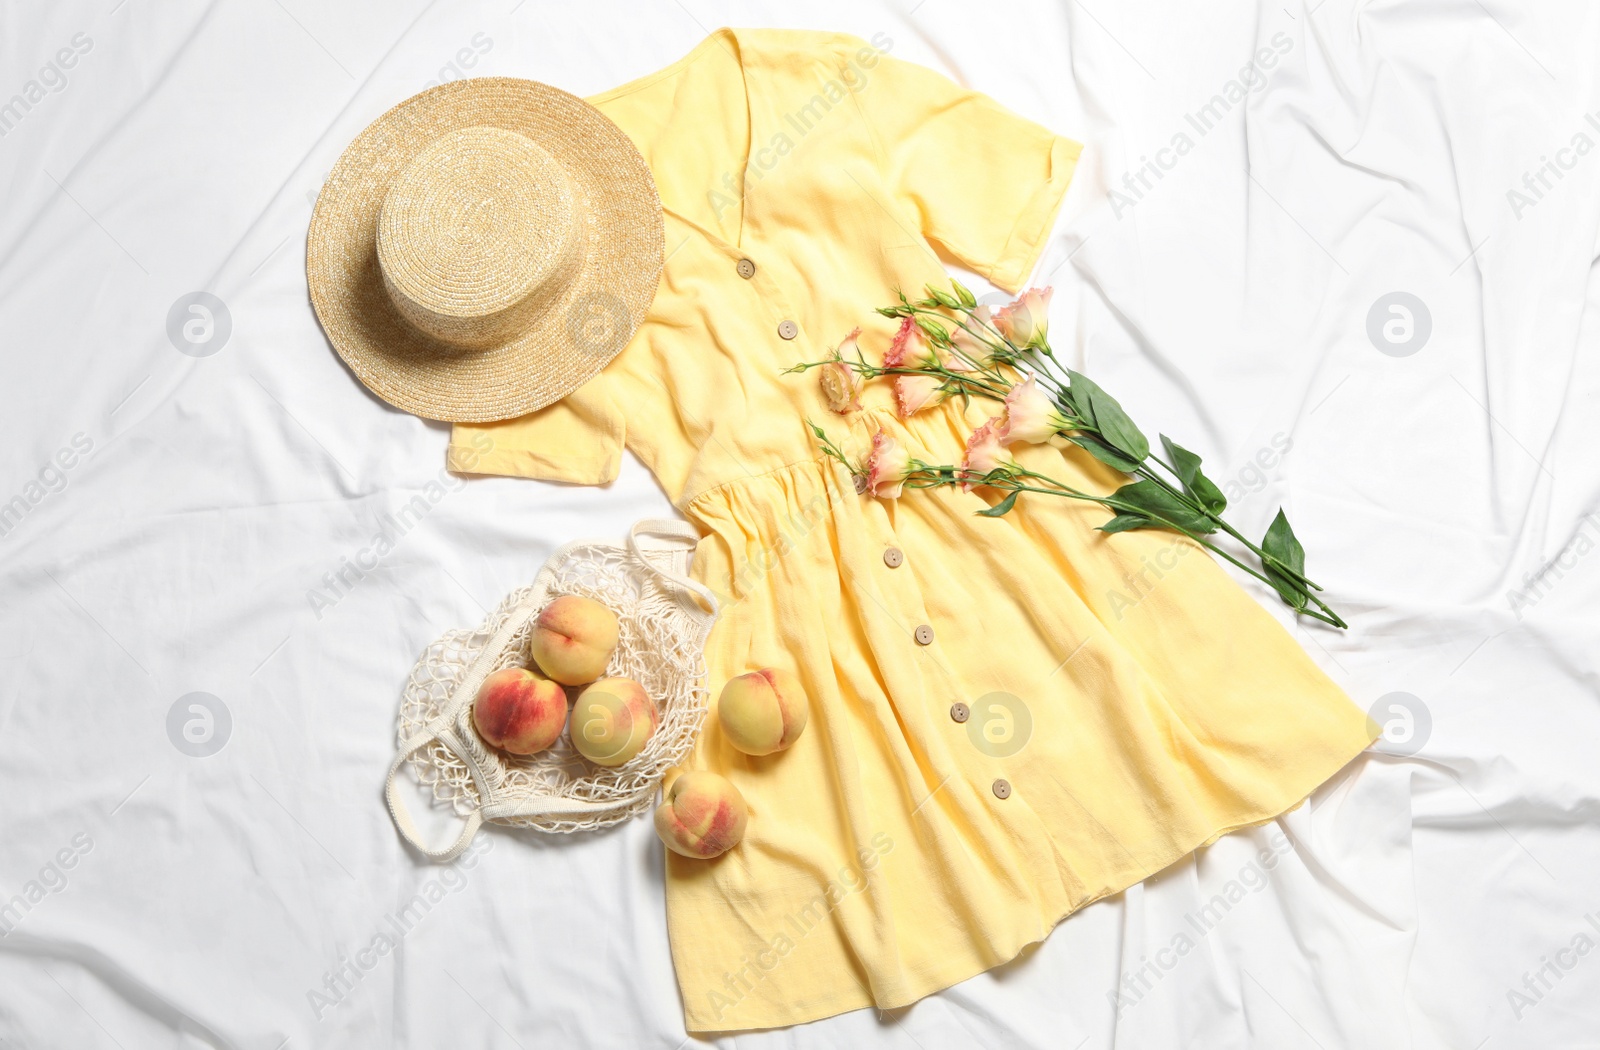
(695, 125)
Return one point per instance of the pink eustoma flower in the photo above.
(887, 466)
(1026, 322)
(910, 347)
(972, 349)
(841, 384)
(1030, 417)
(984, 454)
(914, 393)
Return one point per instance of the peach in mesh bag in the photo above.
(664, 618)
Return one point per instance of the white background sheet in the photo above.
(1226, 302)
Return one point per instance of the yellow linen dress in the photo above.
(1125, 701)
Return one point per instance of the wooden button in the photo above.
(746, 268)
(1002, 789)
(892, 557)
(788, 329)
(923, 635)
(959, 712)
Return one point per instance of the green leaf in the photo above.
(1000, 509)
(1161, 503)
(1280, 542)
(1108, 418)
(1290, 591)
(1128, 522)
(1078, 394)
(1103, 452)
(1205, 490)
(1195, 483)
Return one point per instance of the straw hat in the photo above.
(483, 248)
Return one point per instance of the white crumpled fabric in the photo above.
(1343, 250)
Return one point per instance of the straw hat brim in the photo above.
(569, 341)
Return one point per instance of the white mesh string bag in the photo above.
(661, 645)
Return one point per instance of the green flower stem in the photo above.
(1044, 361)
(1035, 356)
(993, 379)
(830, 449)
(1266, 559)
(992, 344)
(870, 371)
(923, 475)
(1196, 505)
(1057, 488)
(965, 379)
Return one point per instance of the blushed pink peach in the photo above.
(519, 712)
(763, 711)
(612, 720)
(701, 815)
(573, 639)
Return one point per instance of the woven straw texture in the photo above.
(484, 248)
(661, 646)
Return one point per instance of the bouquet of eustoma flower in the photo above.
(950, 346)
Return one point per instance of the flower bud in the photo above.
(936, 332)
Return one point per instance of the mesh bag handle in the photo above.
(649, 555)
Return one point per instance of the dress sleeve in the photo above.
(984, 183)
(578, 439)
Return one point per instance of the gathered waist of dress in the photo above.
(770, 500)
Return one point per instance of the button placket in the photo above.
(770, 294)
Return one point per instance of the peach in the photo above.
(763, 711)
(573, 639)
(519, 712)
(701, 815)
(612, 720)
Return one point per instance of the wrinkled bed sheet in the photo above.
(1344, 250)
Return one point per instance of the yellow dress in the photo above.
(1126, 702)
